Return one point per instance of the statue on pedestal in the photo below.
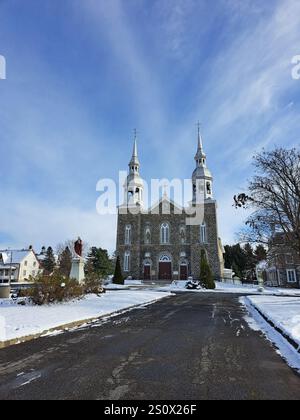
(78, 247)
(77, 270)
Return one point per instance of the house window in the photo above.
(34, 264)
(203, 234)
(165, 233)
(24, 273)
(128, 235)
(291, 276)
(127, 261)
(25, 263)
(33, 273)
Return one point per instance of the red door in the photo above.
(183, 272)
(165, 271)
(147, 272)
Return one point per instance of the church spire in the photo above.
(134, 163)
(134, 185)
(202, 178)
(200, 157)
(200, 143)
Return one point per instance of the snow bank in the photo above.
(269, 306)
(133, 282)
(283, 312)
(178, 286)
(19, 321)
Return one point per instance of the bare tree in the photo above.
(274, 195)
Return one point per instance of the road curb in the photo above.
(68, 326)
(276, 328)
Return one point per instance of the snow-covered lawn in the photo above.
(179, 286)
(19, 321)
(284, 312)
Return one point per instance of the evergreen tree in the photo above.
(49, 262)
(65, 262)
(228, 258)
(236, 271)
(236, 259)
(118, 276)
(206, 274)
(250, 257)
(240, 259)
(99, 263)
(260, 253)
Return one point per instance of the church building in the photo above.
(159, 243)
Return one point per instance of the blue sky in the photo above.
(81, 74)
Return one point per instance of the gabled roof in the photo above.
(168, 201)
(14, 256)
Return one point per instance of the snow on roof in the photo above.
(14, 256)
(4, 266)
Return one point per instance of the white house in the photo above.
(21, 265)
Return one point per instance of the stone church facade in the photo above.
(159, 243)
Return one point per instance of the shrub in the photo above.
(93, 285)
(118, 276)
(207, 279)
(53, 289)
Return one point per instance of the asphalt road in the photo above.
(192, 346)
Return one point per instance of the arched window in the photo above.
(182, 233)
(165, 258)
(203, 233)
(208, 188)
(165, 233)
(128, 235)
(127, 261)
(147, 236)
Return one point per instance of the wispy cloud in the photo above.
(79, 86)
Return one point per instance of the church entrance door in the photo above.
(183, 272)
(147, 272)
(165, 268)
(165, 271)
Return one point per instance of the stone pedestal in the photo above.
(77, 270)
(4, 291)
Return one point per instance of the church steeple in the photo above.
(200, 157)
(134, 164)
(134, 184)
(202, 178)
